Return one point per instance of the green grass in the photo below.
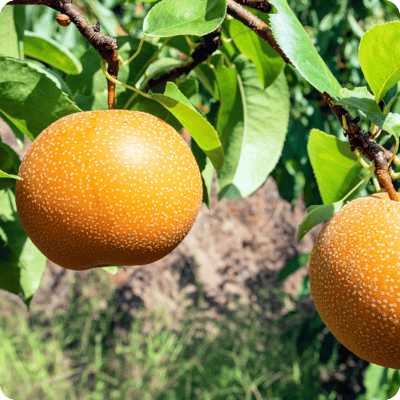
(97, 350)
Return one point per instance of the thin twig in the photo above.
(257, 25)
(367, 146)
(208, 46)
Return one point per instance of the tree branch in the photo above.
(255, 24)
(367, 146)
(262, 5)
(358, 140)
(208, 45)
(105, 46)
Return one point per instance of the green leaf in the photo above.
(107, 17)
(390, 97)
(184, 17)
(297, 45)
(18, 127)
(335, 166)
(373, 382)
(252, 124)
(361, 99)
(268, 62)
(394, 384)
(12, 21)
(199, 128)
(89, 88)
(292, 266)
(9, 270)
(316, 215)
(304, 289)
(21, 253)
(379, 55)
(161, 66)
(111, 270)
(29, 96)
(9, 164)
(181, 43)
(5, 175)
(206, 76)
(206, 170)
(53, 75)
(153, 107)
(227, 47)
(51, 53)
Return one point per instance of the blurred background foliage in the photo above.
(258, 357)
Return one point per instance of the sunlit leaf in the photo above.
(12, 21)
(252, 125)
(29, 96)
(24, 264)
(268, 62)
(297, 45)
(379, 55)
(316, 215)
(199, 128)
(184, 17)
(51, 53)
(335, 166)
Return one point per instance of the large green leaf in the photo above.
(12, 21)
(379, 55)
(199, 128)
(153, 107)
(184, 17)
(316, 215)
(335, 166)
(268, 62)
(297, 45)
(27, 95)
(51, 53)
(89, 88)
(252, 125)
(21, 265)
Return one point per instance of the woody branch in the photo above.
(357, 138)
